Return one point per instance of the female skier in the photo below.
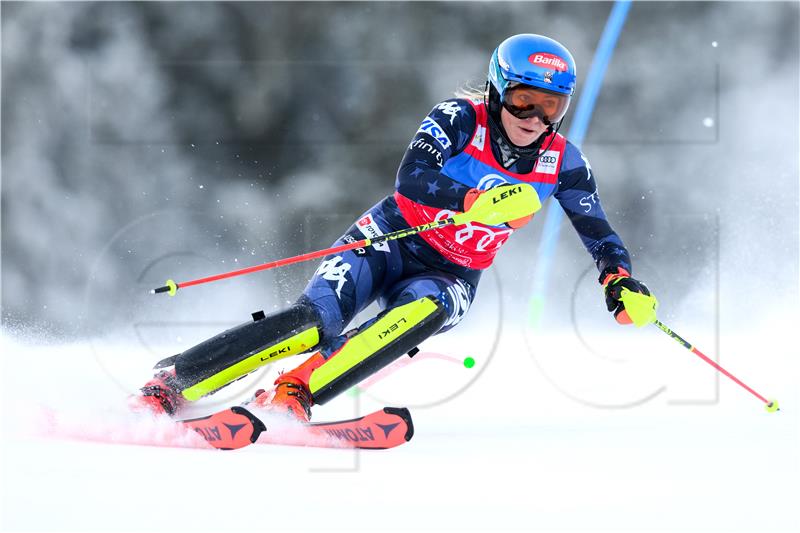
(506, 134)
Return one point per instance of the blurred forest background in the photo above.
(149, 140)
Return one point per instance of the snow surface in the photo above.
(520, 448)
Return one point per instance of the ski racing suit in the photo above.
(424, 282)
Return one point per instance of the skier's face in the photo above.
(522, 131)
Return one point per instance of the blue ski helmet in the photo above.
(533, 60)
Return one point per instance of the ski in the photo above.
(236, 427)
(229, 429)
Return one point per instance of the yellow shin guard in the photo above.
(395, 333)
(233, 354)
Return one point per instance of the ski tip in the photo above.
(405, 414)
(229, 429)
(258, 424)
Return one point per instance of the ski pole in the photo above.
(494, 207)
(770, 405)
(641, 309)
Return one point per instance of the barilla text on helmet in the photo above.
(541, 59)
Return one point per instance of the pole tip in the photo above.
(171, 288)
(772, 406)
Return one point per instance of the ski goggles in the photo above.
(524, 101)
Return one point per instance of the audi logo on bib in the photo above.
(548, 162)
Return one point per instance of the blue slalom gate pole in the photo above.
(577, 133)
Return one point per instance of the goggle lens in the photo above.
(525, 101)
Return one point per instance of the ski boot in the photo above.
(161, 395)
(291, 395)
